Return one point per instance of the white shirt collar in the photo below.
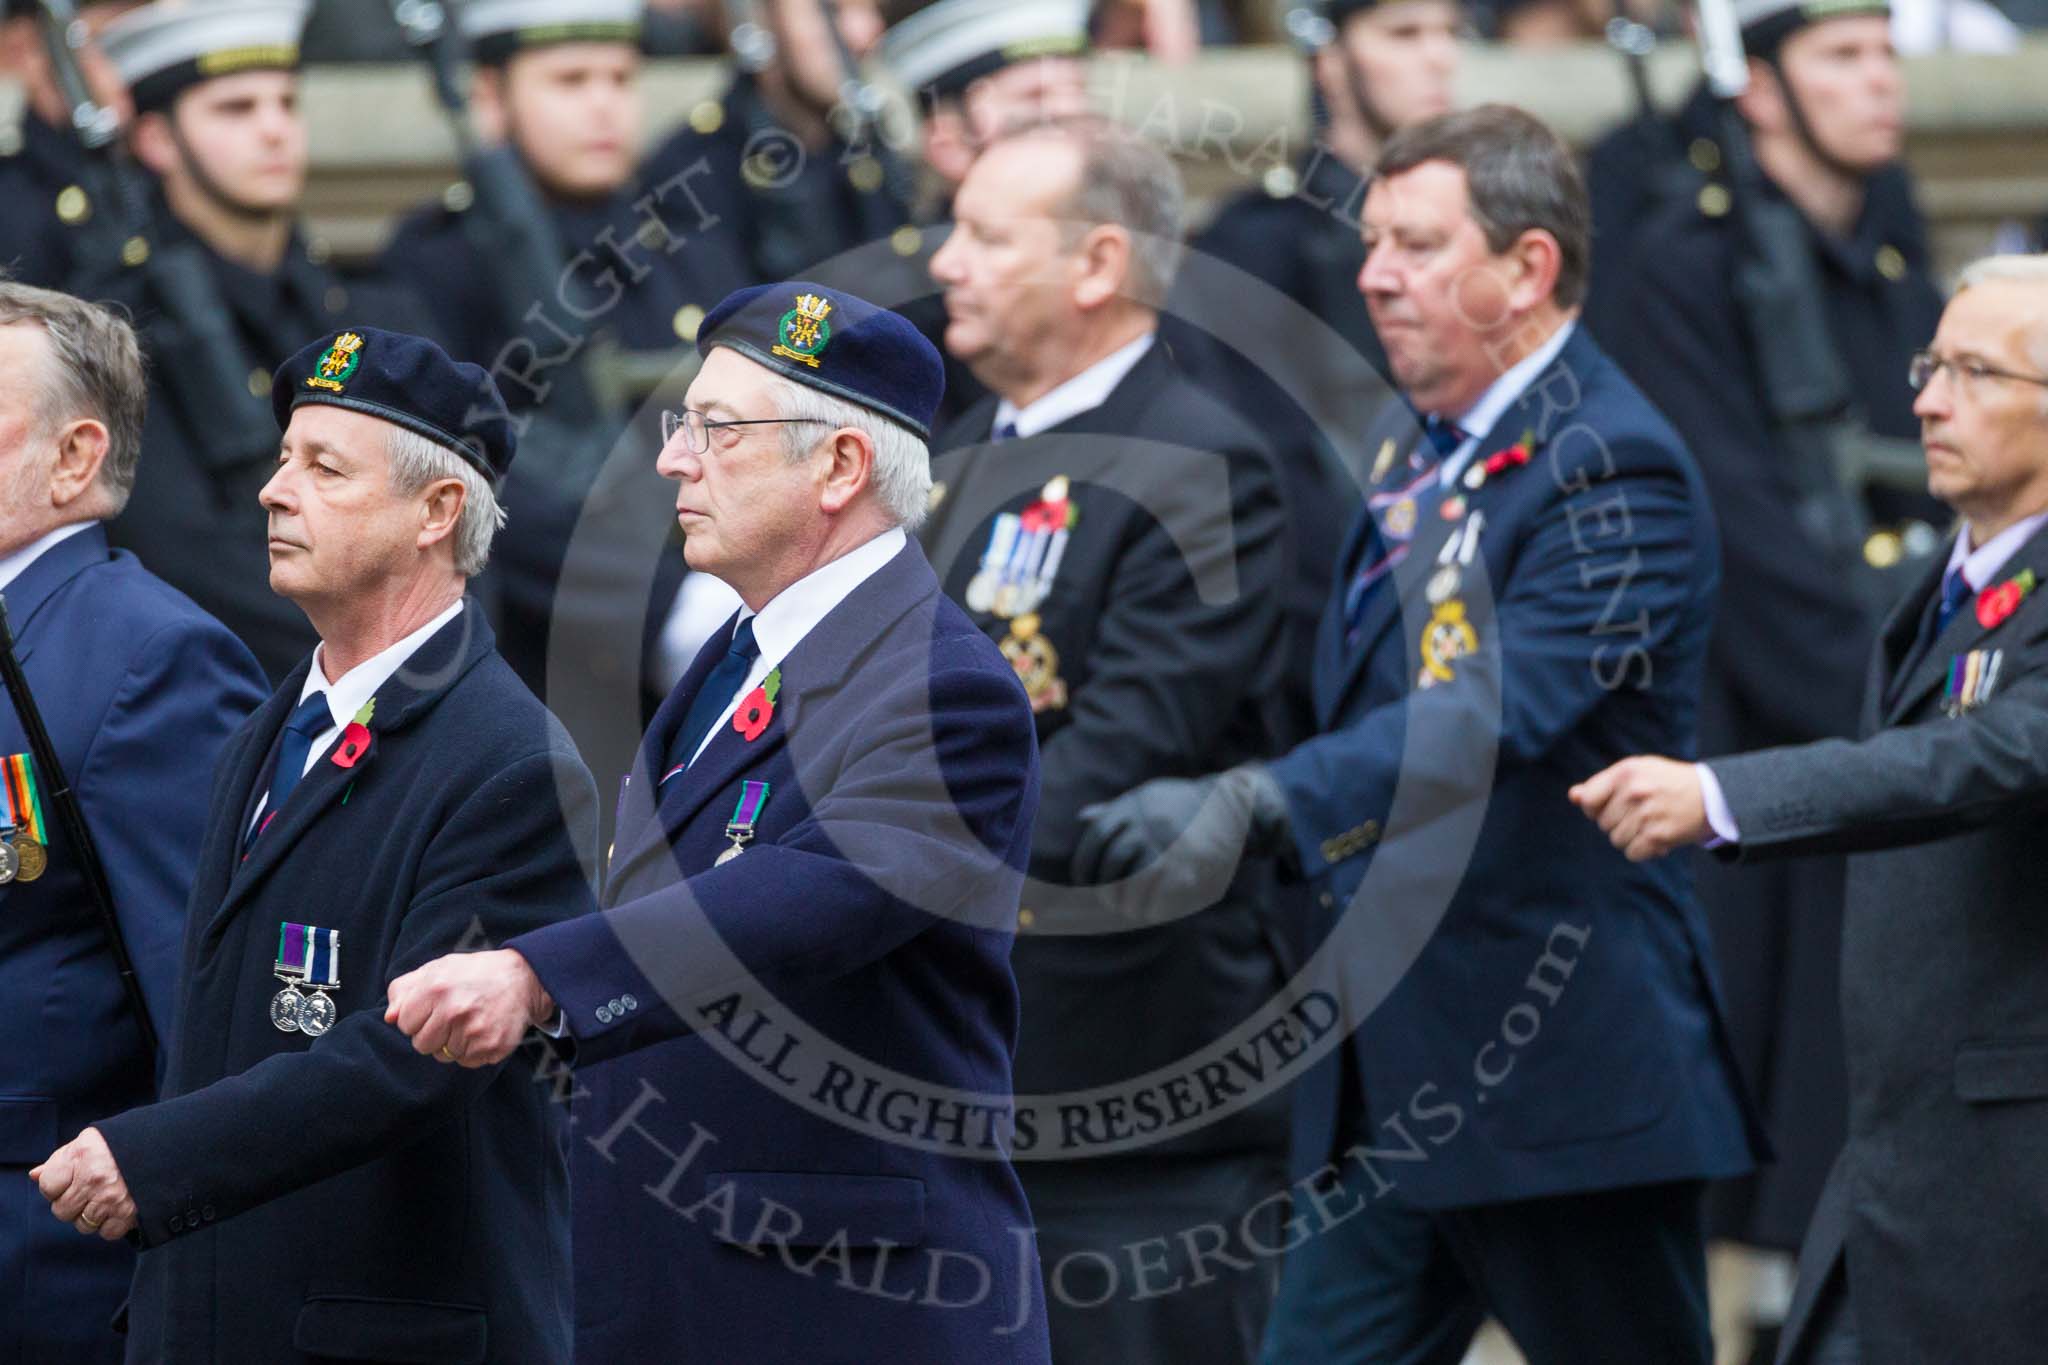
(1089, 389)
(15, 564)
(1982, 564)
(346, 694)
(781, 625)
(1499, 396)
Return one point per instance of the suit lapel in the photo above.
(408, 694)
(51, 570)
(1963, 633)
(821, 661)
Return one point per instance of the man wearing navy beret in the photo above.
(793, 1021)
(309, 1187)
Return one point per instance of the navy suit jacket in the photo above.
(304, 1199)
(795, 1147)
(1535, 1014)
(139, 690)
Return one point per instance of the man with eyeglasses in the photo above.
(1798, 609)
(1928, 1232)
(793, 1021)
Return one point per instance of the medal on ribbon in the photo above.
(745, 813)
(1024, 553)
(1037, 663)
(27, 836)
(311, 957)
(1971, 678)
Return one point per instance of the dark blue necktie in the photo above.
(1940, 610)
(309, 720)
(1955, 590)
(1006, 432)
(719, 685)
(1444, 435)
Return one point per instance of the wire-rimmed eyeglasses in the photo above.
(697, 428)
(1968, 372)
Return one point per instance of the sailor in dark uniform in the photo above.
(41, 171)
(629, 263)
(1825, 112)
(1291, 346)
(792, 180)
(217, 124)
(978, 69)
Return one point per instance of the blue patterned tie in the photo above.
(1445, 435)
(709, 705)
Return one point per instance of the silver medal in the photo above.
(10, 862)
(318, 1015)
(722, 859)
(287, 1009)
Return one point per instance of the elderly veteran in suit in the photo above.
(1538, 1083)
(794, 1020)
(1927, 1242)
(309, 1187)
(138, 689)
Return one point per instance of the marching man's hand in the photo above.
(469, 1008)
(85, 1188)
(1647, 807)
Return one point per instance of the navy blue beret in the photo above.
(406, 380)
(834, 341)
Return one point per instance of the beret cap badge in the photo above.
(803, 331)
(337, 363)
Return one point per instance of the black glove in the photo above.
(1189, 832)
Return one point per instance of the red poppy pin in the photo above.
(1515, 455)
(757, 708)
(355, 739)
(1995, 604)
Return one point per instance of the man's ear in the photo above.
(487, 111)
(850, 469)
(1762, 101)
(1534, 258)
(81, 450)
(1105, 266)
(154, 144)
(440, 511)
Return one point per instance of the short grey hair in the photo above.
(417, 461)
(94, 369)
(902, 475)
(2012, 268)
(1129, 182)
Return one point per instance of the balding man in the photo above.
(1921, 1239)
(138, 689)
(1119, 533)
(309, 1188)
(793, 1021)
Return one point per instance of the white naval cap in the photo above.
(946, 46)
(1766, 23)
(172, 45)
(498, 28)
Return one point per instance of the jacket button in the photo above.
(604, 1014)
(177, 1223)
(618, 1007)
(1327, 899)
(206, 1214)
(629, 1002)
